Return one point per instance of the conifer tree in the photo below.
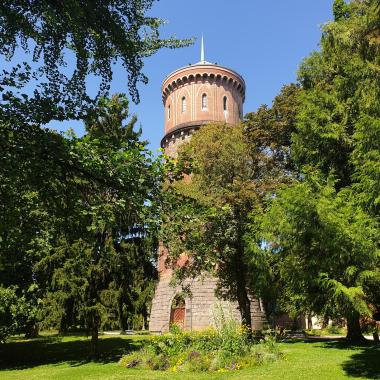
(117, 187)
(325, 227)
(42, 176)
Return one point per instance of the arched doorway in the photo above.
(177, 311)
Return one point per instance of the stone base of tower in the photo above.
(198, 308)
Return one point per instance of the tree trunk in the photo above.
(94, 328)
(325, 322)
(244, 307)
(94, 342)
(354, 332)
(144, 313)
(31, 330)
(68, 316)
(309, 322)
(63, 326)
(122, 322)
(242, 295)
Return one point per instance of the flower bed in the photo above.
(227, 348)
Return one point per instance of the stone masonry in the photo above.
(199, 307)
(194, 96)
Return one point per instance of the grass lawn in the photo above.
(54, 357)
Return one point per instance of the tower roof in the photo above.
(198, 94)
(203, 62)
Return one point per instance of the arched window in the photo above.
(204, 102)
(169, 112)
(183, 104)
(225, 103)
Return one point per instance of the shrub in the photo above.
(335, 330)
(196, 362)
(17, 314)
(225, 347)
(330, 330)
(132, 360)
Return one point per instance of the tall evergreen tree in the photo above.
(325, 228)
(117, 188)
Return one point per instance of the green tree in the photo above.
(34, 200)
(335, 149)
(116, 202)
(17, 314)
(135, 283)
(94, 35)
(327, 249)
(340, 9)
(8, 301)
(42, 181)
(269, 131)
(210, 217)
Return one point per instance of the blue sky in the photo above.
(263, 40)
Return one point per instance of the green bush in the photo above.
(226, 348)
(17, 313)
(335, 330)
(195, 362)
(329, 330)
(8, 299)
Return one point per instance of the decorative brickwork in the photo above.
(194, 96)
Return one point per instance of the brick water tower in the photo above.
(193, 96)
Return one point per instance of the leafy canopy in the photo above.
(94, 35)
(324, 228)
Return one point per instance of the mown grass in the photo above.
(55, 357)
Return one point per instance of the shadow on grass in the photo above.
(364, 361)
(55, 350)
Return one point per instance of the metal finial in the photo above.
(202, 50)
